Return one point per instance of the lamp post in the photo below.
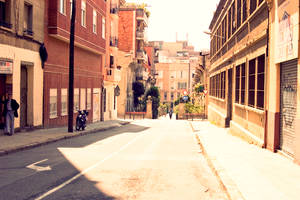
(71, 70)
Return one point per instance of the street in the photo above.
(148, 159)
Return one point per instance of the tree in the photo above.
(154, 93)
(138, 90)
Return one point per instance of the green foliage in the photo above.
(199, 88)
(193, 108)
(163, 109)
(154, 93)
(138, 90)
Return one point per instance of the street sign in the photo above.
(205, 92)
(185, 98)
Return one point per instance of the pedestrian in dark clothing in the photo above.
(170, 113)
(11, 107)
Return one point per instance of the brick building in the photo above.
(239, 54)
(89, 53)
(21, 71)
(133, 22)
(112, 70)
(175, 69)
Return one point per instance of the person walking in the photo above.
(11, 107)
(170, 113)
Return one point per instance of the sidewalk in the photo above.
(247, 171)
(25, 140)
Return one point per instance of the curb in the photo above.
(49, 141)
(226, 182)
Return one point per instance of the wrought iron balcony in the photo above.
(140, 35)
(141, 15)
(114, 9)
(140, 55)
(113, 42)
(113, 75)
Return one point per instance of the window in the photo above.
(237, 83)
(64, 102)
(160, 74)
(260, 81)
(182, 85)
(62, 6)
(178, 95)
(256, 83)
(229, 23)
(165, 96)
(233, 20)
(28, 19)
(239, 13)
(71, 8)
(5, 14)
(243, 83)
(103, 27)
(111, 61)
(76, 99)
(251, 83)
(53, 103)
(83, 13)
(218, 85)
(244, 10)
(82, 99)
(172, 96)
(253, 5)
(88, 99)
(173, 74)
(94, 21)
(104, 100)
(240, 83)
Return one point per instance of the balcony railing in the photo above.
(141, 15)
(113, 74)
(140, 55)
(114, 9)
(5, 24)
(113, 42)
(140, 35)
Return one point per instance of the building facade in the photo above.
(21, 72)
(175, 69)
(239, 45)
(112, 70)
(89, 53)
(133, 22)
(283, 108)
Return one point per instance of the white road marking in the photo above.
(39, 168)
(87, 170)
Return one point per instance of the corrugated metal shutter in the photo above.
(288, 105)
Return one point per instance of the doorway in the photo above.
(229, 98)
(24, 97)
(2, 98)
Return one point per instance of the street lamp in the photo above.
(210, 33)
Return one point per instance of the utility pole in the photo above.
(71, 69)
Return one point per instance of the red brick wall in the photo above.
(127, 30)
(87, 64)
(59, 24)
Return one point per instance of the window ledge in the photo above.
(218, 99)
(6, 29)
(258, 111)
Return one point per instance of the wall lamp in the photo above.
(210, 33)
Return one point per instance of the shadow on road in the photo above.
(19, 182)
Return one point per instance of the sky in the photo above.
(183, 17)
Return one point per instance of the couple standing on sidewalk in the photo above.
(10, 111)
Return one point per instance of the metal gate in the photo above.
(288, 105)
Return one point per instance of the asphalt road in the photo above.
(148, 159)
